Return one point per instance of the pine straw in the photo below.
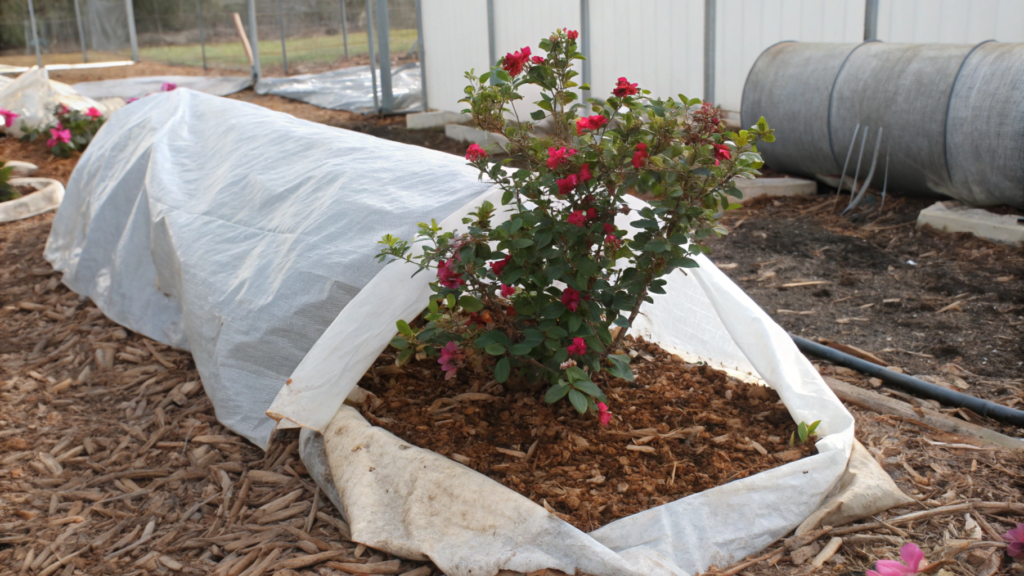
(112, 461)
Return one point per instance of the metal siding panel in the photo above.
(455, 40)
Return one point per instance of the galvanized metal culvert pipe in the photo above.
(953, 115)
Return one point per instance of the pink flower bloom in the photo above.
(624, 88)
(1015, 539)
(721, 153)
(567, 184)
(449, 360)
(585, 173)
(507, 291)
(591, 213)
(577, 218)
(58, 135)
(93, 113)
(590, 123)
(571, 34)
(640, 156)
(537, 60)
(447, 275)
(912, 557)
(608, 227)
(578, 347)
(130, 100)
(168, 86)
(571, 298)
(499, 265)
(613, 240)
(603, 414)
(513, 62)
(559, 156)
(475, 153)
(62, 110)
(8, 117)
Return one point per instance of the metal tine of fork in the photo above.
(871, 173)
(853, 142)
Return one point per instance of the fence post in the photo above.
(202, 31)
(384, 44)
(257, 70)
(423, 58)
(710, 43)
(369, 44)
(132, 36)
(870, 20)
(492, 46)
(284, 47)
(35, 33)
(81, 30)
(585, 45)
(344, 28)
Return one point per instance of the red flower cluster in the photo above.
(559, 156)
(640, 156)
(537, 60)
(507, 291)
(721, 153)
(513, 62)
(604, 415)
(577, 218)
(624, 88)
(578, 346)
(475, 153)
(570, 182)
(499, 265)
(571, 298)
(571, 34)
(590, 123)
(447, 275)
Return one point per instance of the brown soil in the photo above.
(677, 430)
(949, 307)
(37, 153)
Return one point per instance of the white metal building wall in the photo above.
(659, 43)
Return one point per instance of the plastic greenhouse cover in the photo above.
(349, 89)
(702, 313)
(140, 86)
(33, 96)
(238, 233)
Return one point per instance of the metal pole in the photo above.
(383, 43)
(35, 33)
(159, 27)
(132, 36)
(870, 20)
(257, 71)
(710, 30)
(585, 44)
(284, 47)
(344, 28)
(202, 31)
(81, 30)
(369, 43)
(492, 47)
(423, 59)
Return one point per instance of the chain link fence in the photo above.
(294, 36)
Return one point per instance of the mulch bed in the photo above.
(678, 429)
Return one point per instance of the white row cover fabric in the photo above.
(239, 233)
(47, 196)
(414, 504)
(349, 89)
(140, 86)
(33, 97)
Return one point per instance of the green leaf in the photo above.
(541, 239)
(502, 370)
(575, 373)
(495, 349)
(578, 400)
(405, 355)
(520, 349)
(620, 367)
(574, 323)
(813, 427)
(537, 115)
(404, 328)
(622, 321)
(557, 392)
(552, 310)
(522, 243)
(556, 332)
(399, 342)
(532, 337)
(588, 387)
(801, 430)
(471, 304)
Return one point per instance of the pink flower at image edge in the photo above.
(578, 347)
(93, 113)
(449, 355)
(912, 557)
(475, 152)
(8, 117)
(603, 414)
(168, 86)
(1015, 540)
(514, 61)
(447, 276)
(59, 135)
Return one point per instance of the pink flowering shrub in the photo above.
(911, 556)
(543, 300)
(74, 130)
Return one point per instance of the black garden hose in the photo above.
(913, 385)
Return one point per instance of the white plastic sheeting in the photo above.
(33, 96)
(140, 86)
(413, 503)
(349, 89)
(238, 233)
